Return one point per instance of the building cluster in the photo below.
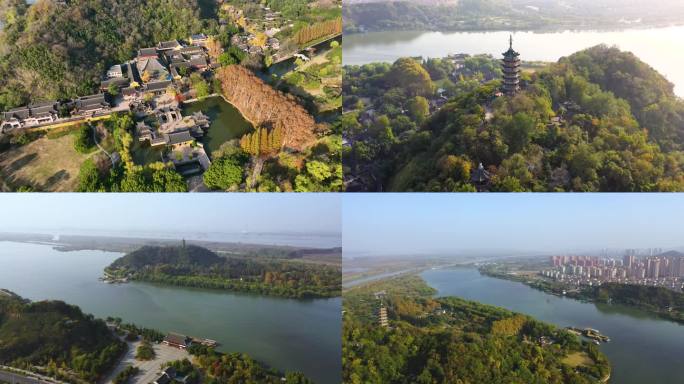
(663, 269)
(38, 114)
(154, 69)
(152, 72)
(260, 31)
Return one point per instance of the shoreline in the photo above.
(615, 28)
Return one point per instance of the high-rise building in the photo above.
(511, 70)
(628, 260)
(654, 268)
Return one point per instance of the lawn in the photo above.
(577, 359)
(50, 165)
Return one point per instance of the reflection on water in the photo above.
(659, 47)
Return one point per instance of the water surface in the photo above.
(659, 47)
(226, 122)
(287, 334)
(643, 348)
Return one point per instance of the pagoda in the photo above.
(511, 70)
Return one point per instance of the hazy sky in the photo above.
(213, 212)
(393, 224)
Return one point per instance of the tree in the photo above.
(408, 74)
(419, 109)
(112, 89)
(225, 173)
(262, 142)
(83, 143)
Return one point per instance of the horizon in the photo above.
(428, 225)
(172, 213)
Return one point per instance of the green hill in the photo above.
(58, 336)
(55, 51)
(268, 272)
(598, 120)
(149, 256)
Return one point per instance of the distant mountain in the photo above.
(465, 15)
(672, 254)
(178, 255)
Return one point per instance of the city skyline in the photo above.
(543, 224)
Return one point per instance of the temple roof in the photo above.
(511, 53)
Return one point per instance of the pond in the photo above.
(227, 123)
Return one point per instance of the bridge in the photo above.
(309, 45)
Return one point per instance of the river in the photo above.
(659, 47)
(286, 334)
(643, 348)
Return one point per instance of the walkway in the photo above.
(18, 376)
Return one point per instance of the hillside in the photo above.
(296, 274)
(149, 256)
(52, 51)
(451, 340)
(598, 120)
(58, 336)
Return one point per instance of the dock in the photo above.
(589, 333)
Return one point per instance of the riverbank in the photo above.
(582, 294)
(373, 47)
(630, 330)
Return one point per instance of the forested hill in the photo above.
(51, 50)
(296, 274)
(149, 256)
(598, 120)
(451, 340)
(650, 95)
(57, 336)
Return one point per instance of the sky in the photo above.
(212, 212)
(420, 224)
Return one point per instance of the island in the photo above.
(51, 340)
(597, 120)
(166, 101)
(302, 273)
(396, 331)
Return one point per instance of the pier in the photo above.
(589, 333)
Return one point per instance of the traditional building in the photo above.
(480, 178)
(382, 317)
(177, 341)
(511, 70)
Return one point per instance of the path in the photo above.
(18, 376)
(257, 172)
(309, 45)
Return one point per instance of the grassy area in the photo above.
(321, 79)
(577, 359)
(45, 164)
